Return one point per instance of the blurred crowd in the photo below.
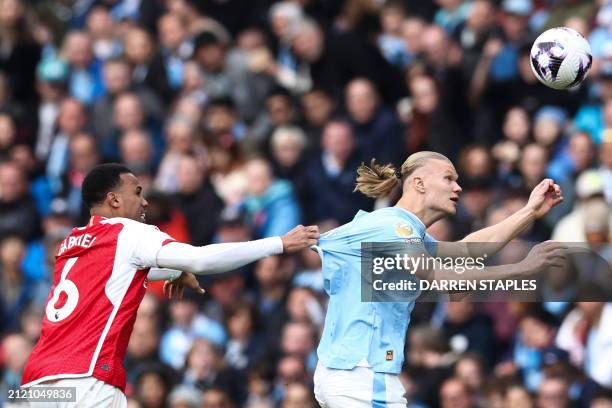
(243, 118)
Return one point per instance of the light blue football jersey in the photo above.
(357, 331)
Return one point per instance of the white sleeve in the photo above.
(216, 258)
(158, 274)
(147, 241)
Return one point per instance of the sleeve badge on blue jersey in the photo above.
(403, 230)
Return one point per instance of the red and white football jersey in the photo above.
(98, 284)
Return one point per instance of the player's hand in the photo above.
(544, 196)
(299, 238)
(544, 255)
(176, 287)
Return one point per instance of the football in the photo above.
(561, 58)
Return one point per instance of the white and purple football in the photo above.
(561, 58)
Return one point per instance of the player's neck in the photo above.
(426, 215)
(102, 212)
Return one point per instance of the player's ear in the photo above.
(113, 199)
(418, 184)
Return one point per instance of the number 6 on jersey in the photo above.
(56, 314)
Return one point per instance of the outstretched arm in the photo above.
(217, 258)
(489, 240)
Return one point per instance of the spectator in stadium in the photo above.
(146, 65)
(570, 228)
(180, 140)
(454, 393)
(298, 395)
(534, 346)
(303, 307)
(319, 108)
(185, 397)
(473, 34)
(328, 62)
(153, 385)
(187, 325)
(194, 21)
(225, 294)
(18, 214)
(118, 80)
(553, 392)
(328, 179)
(476, 161)
(601, 399)
(290, 369)
(143, 348)
(84, 156)
(287, 145)
(20, 52)
(85, 83)
(206, 370)
(576, 158)
(217, 398)
(224, 77)
(517, 125)
(471, 368)
(428, 363)
(271, 204)
(283, 18)
(280, 111)
(222, 123)
(52, 88)
(378, 131)
(129, 114)
(427, 129)
(195, 197)
(18, 289)
(136, 152)
(584, 335)
(390, 40)
(15, 349)
(532, 167)
(471, 330)
(475, 200)
(194, 85)
(273, 275)
(71, 121)
(103, 30)
(452, 14)
(175, 45)
(518, 396)
(245, 345)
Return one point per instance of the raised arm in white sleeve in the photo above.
(216, 258)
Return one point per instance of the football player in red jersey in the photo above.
(99, 280)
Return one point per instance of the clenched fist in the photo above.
(299, 238)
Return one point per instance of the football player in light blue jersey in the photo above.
(362, 346)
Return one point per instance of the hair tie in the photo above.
(398, 174)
